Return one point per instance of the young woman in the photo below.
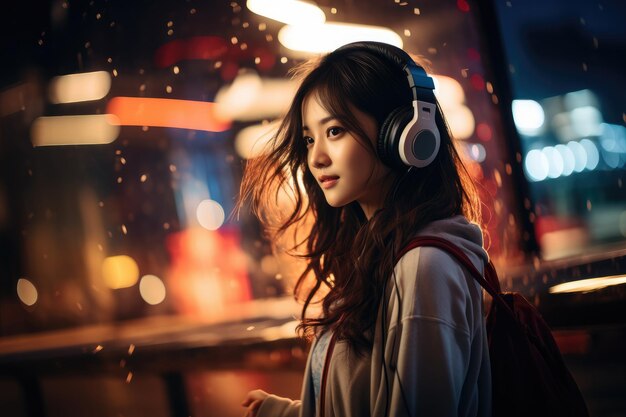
(395, 337)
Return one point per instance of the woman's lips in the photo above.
(329, 182)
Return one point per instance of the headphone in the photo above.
(409, 135)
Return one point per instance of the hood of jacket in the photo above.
(464, 234)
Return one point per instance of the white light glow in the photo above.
(291, 12)
(610, 138)
(321, 38)
(536, 165)
(152, 289)
(586, 121)
(451, 98)
(251, 141)
(555, 162)
(94, 129)
(561, 160)
(569, 160)
(461, 121)
(477, 152)
(241, 93)
(528, 116)
(613, 145)
(580, 155)
(210, 214)
(611, 159)
(251, 98)
(448, 91)
(585, 285)
(26, 291)
(593, 157)
(608, 143)
(580, 98)
(75, 88)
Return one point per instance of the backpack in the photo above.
(529, 376)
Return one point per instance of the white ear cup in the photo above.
(419, 142)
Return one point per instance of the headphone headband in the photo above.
(416, 75)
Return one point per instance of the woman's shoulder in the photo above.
(438, 265)
(429, 266)
(433, 286)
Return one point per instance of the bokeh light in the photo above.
(536, 165)
(569, 160)
(291, 12)
(120, 271)
(528, 116)
(448, 91)
(210, 214)
(586, 121)
(477, 152)
(152, 289)
(593, 156)
(96, 129)
(580, 155)
(252, 140)
(26, 291)
(251, 98)
(555, 162)
(80, 87)
(330, 36)
(162, 112)
(461, 122)
(590, 284)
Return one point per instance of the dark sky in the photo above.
(549, 44)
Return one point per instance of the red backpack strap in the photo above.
(489, 282)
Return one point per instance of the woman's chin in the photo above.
(333, 202)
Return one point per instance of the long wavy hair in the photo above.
(352, 257)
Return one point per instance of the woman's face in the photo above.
(344, 167)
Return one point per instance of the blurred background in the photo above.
(127, 285)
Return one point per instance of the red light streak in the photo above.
(197, 47)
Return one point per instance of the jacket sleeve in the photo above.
(432, 347)
(275, 406)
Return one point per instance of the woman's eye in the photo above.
(309, 140)
(335, 131)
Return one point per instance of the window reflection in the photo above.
(569, 113)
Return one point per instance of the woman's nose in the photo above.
(319, 157)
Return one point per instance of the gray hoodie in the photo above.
(435, 350)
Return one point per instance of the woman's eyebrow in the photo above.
(322, 121)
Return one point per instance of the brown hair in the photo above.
(347, 253)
